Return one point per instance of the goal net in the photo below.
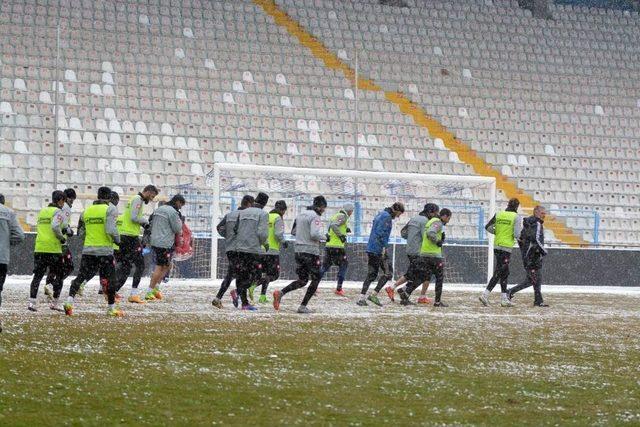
(470, 198)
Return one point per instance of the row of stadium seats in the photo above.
(302, 126)
(175, 88)
(513, 89)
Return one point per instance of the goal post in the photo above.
(472, 200)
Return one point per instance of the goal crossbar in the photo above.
(353, 173)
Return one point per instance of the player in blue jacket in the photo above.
(377, 252)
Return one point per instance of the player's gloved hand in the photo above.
(443, 236)
(348, 230)
(327, 237)
(69, 232)
(63, 241)
(343, 239)
(439, 244)
(146, 226)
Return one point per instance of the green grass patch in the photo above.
(577, 363)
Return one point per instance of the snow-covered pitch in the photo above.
(181, 361)
(193, 296)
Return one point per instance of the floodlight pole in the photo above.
(55, 114)
(357, 95)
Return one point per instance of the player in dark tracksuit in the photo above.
(431, 259)
(412, 232)
(130, 224)
(227, 229)
(533, 250)
(67, 258)
(309, 233)
(252, 232)
(506, 227)
(271, 260)
(48, 251)
(377, 253)
(334, 251)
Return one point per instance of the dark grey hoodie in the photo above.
(252, 230)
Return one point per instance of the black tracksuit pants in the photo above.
(129, 255)
(427, 266)
(67, 265)
(248, 270)
(307, 267)
(232, 272)
(3, 277)
(335, 256)
(534, 278)
(270, 270)
(55, 265)
(105, 267)
(375, 263)
(500, 270)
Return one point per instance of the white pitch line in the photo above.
(17, 281)
(288, 313)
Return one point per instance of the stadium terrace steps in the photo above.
(160, 94)
(420, 118)
(318, 49)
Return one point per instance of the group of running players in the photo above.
(253, 239)
(112, 245)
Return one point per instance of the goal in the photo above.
(468, 248)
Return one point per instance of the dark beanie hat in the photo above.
(247, 201)
(513, 204)
(104, 193)
(281, 205)
(58, 195)
(178, 198)
(262, 199)
(431, 208)
(70, 193)
(319, 202)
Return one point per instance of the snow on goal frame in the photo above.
(468, 248)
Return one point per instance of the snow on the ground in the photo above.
(584, 343)
(193, 297)
(18, 281)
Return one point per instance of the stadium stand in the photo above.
(157, 91)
